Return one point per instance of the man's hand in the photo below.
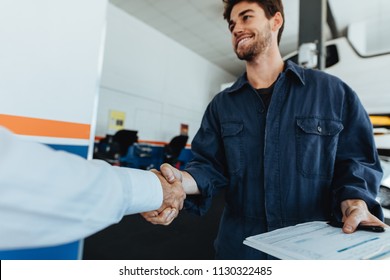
(173, 200)
(170, 173)
(355, 212)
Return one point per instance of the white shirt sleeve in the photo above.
(52, 197)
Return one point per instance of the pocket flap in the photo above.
(231, 129)
(320, 126)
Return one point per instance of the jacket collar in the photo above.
(292, 70)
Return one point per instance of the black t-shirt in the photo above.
(266, 94)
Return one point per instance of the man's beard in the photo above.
(257, 48)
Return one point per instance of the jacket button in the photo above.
(319, 129)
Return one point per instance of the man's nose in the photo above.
(238, 29)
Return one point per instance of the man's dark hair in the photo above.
(270, 7)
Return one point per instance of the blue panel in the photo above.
(154, 158)
(63, 252)
(78, 150)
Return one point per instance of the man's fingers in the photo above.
(358, 215)
(351, 219)
(149, 215)
(173, 194)
(173, 198)
(181, 203)
(169, 217)
(166, 217)
(155, 171)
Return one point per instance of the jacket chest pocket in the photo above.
(233, 144)
(316, 141)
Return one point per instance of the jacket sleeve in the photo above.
(358, 171)
(208, 166)
(52, 197)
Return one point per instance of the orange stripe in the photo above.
(47, 128)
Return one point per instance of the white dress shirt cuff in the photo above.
(146, 192)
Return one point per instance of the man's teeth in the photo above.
(243, 41)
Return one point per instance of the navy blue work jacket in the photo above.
(294, 163)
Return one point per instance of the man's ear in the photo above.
(277, 21)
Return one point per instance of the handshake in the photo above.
(173, 196)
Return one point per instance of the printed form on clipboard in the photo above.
(320, 241)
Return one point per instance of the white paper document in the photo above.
(320, 241)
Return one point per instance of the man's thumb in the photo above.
(167, 171)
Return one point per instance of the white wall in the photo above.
(50, 62)
(158, 83)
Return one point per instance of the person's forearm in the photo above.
(189, 183)
(66, 197)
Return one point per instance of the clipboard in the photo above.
(320, 241)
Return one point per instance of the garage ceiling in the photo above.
(199, 25)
